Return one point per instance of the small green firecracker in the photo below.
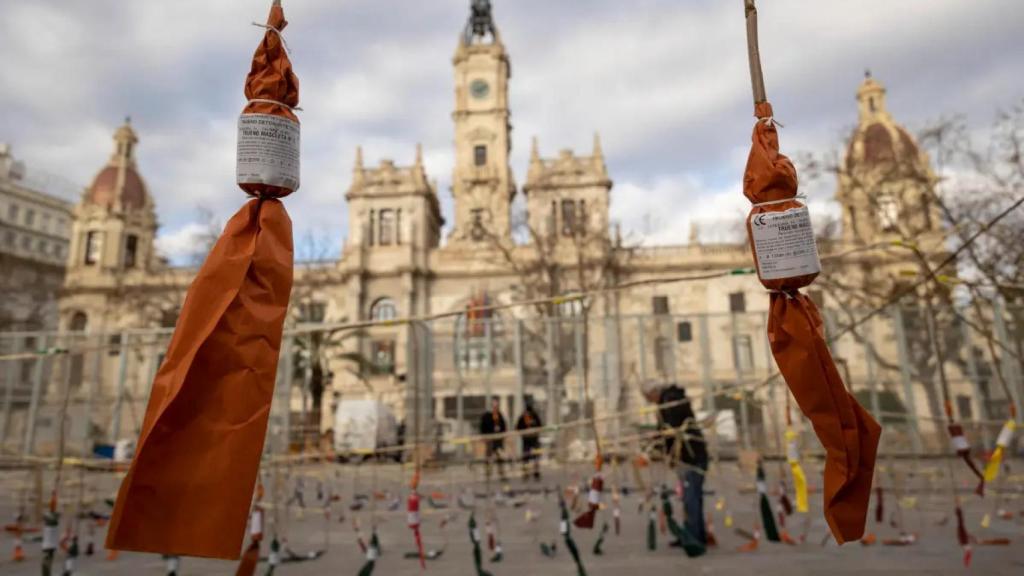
(771, 532)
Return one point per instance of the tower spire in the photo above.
(357, 169)
(124, 143)
(534, 150)
(480, 23)
(598, 154)
(871, 100)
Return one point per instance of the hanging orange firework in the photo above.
(189, 487)
(786, 256)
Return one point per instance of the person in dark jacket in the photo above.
(492, 422)
(676, 412)
(529, 420)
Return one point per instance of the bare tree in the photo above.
(554, 269)
(315, 351)
(971, 188)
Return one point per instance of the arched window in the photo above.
(383, 309)
(888, 213)
(79, 321)
(169, 317)
(479, 339)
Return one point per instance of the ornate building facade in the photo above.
(34, 230)
(571, 355)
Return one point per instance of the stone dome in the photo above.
(878, 141)
(881, 143)
(118, 184)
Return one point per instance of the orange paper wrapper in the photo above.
(796, 334)
(190, 485)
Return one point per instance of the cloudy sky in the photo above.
(665, 82)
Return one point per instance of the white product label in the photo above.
(274, 559)
(761, 487)
(1005, 435)
(49, 537)
(69, 565)
(414, 518)
(172, 564)
(563, 527)
(784, 243)
(268, 151)
(792, 452)
(256, 526)
(594, 497)
(960, 444)
(616, 512)
(476, 534)
(372, 553)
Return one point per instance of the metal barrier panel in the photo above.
(439, 376)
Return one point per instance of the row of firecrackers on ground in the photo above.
(777, 509)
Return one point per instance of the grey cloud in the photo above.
(664, 81)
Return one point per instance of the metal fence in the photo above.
(440, 376)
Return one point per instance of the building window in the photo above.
(684, 332)
(659, 304)
(370, 232)
(570, 308)
(568, 218)
(964, 407)
(382, 357)
(888, 213)
(383, 309)
(480, 155)
(9, 238)
(743, 353)
(58, 250)
(387, 227)
(131, 246)
(12, 212)
(44, 224)
(43, 246)
(92, 247)
(26, 242)
(477, 335)
(398, 226)
(581, 218)
(473, 407)
(30, 217)
(312, 311)
(737, 302)
(114, 343)
(78, 323)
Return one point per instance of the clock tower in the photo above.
(482, 183)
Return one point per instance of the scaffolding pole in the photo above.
(33, 407)
(908, 385)
(122, 375)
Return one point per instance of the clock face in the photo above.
(479, 89)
